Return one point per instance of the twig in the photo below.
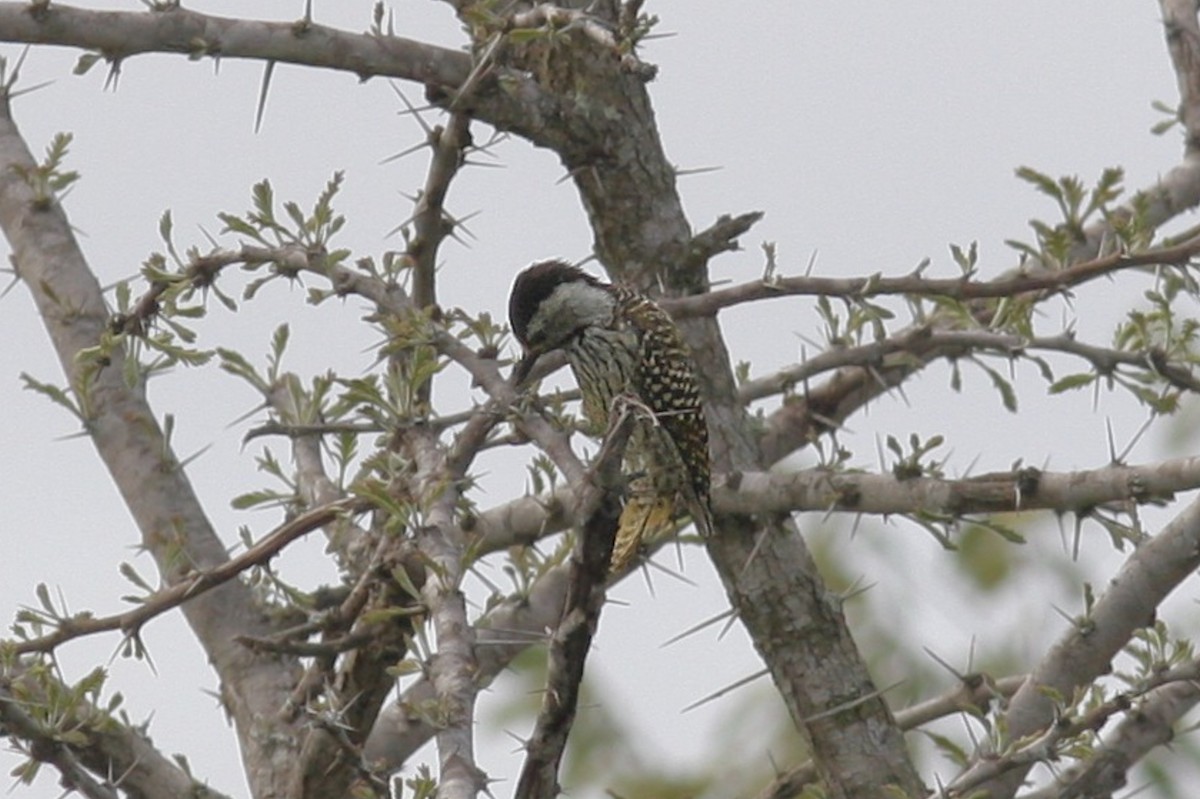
(47, 748)
(974, 692)
(581, 614)
(915, 341)
(1086, 650)
(131, 621)
(916, 285)
(120, 34)
(550, 15)
(1150, 725)
(720, 236)
(1183, 43)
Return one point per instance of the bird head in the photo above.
(552, 302)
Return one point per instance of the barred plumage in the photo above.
(619, 342)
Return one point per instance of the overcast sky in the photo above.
(871, 134)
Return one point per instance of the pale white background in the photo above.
(871, 134)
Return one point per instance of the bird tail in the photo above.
(644, 517)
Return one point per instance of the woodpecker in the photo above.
(618, 342)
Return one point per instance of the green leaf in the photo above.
(263, 197)
(235, 224)
(1007, 395)
(86, 62)
(949, 748)
(1043, 182)
(279, 342)
(966, 260)
(236, 364)
(254, 499)
(165, 226)
(130, 573)
(55, 394)
(43, 595)
(894, 446)
(1071, 382)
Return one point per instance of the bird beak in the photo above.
(520, 372)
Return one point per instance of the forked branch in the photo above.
(601, 504)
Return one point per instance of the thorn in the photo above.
(700, 170)
(726, 628)
(758, 542)
(412, 109)
(721, 692)
(1071, 621)
(695, 628)
(1136, 438)
(856, 590)
(268, 71)
(671, 573)
(12, 95)
(469, 162)
(945, 665)
(114, 75)
(409, 151)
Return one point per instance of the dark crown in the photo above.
(533, 286)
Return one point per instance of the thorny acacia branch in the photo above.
(121, 34)
(526, 519)
(389, 299)
(437, 485)
(974, 693)
(1051, 288)
(949, 343)
(134, 449)
(1043, 281)
(1155, 568)
(1085, 650)
(86, 741)
(46, 747)
(572, 638)
(131, 621)
(1150, 723)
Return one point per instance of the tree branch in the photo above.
(1086, 650)
(391, 300)
(96, 743)
(601, 507)
(1147, 726)
(129, 440)
(958, 343)
(504, 632)
(973, 694)
(1183, 43)
(827, 405)
(190, 587)
(916, 285)
(527, 519)
(453, 672)
(721, 236)
(45, 747)
(120, 34)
